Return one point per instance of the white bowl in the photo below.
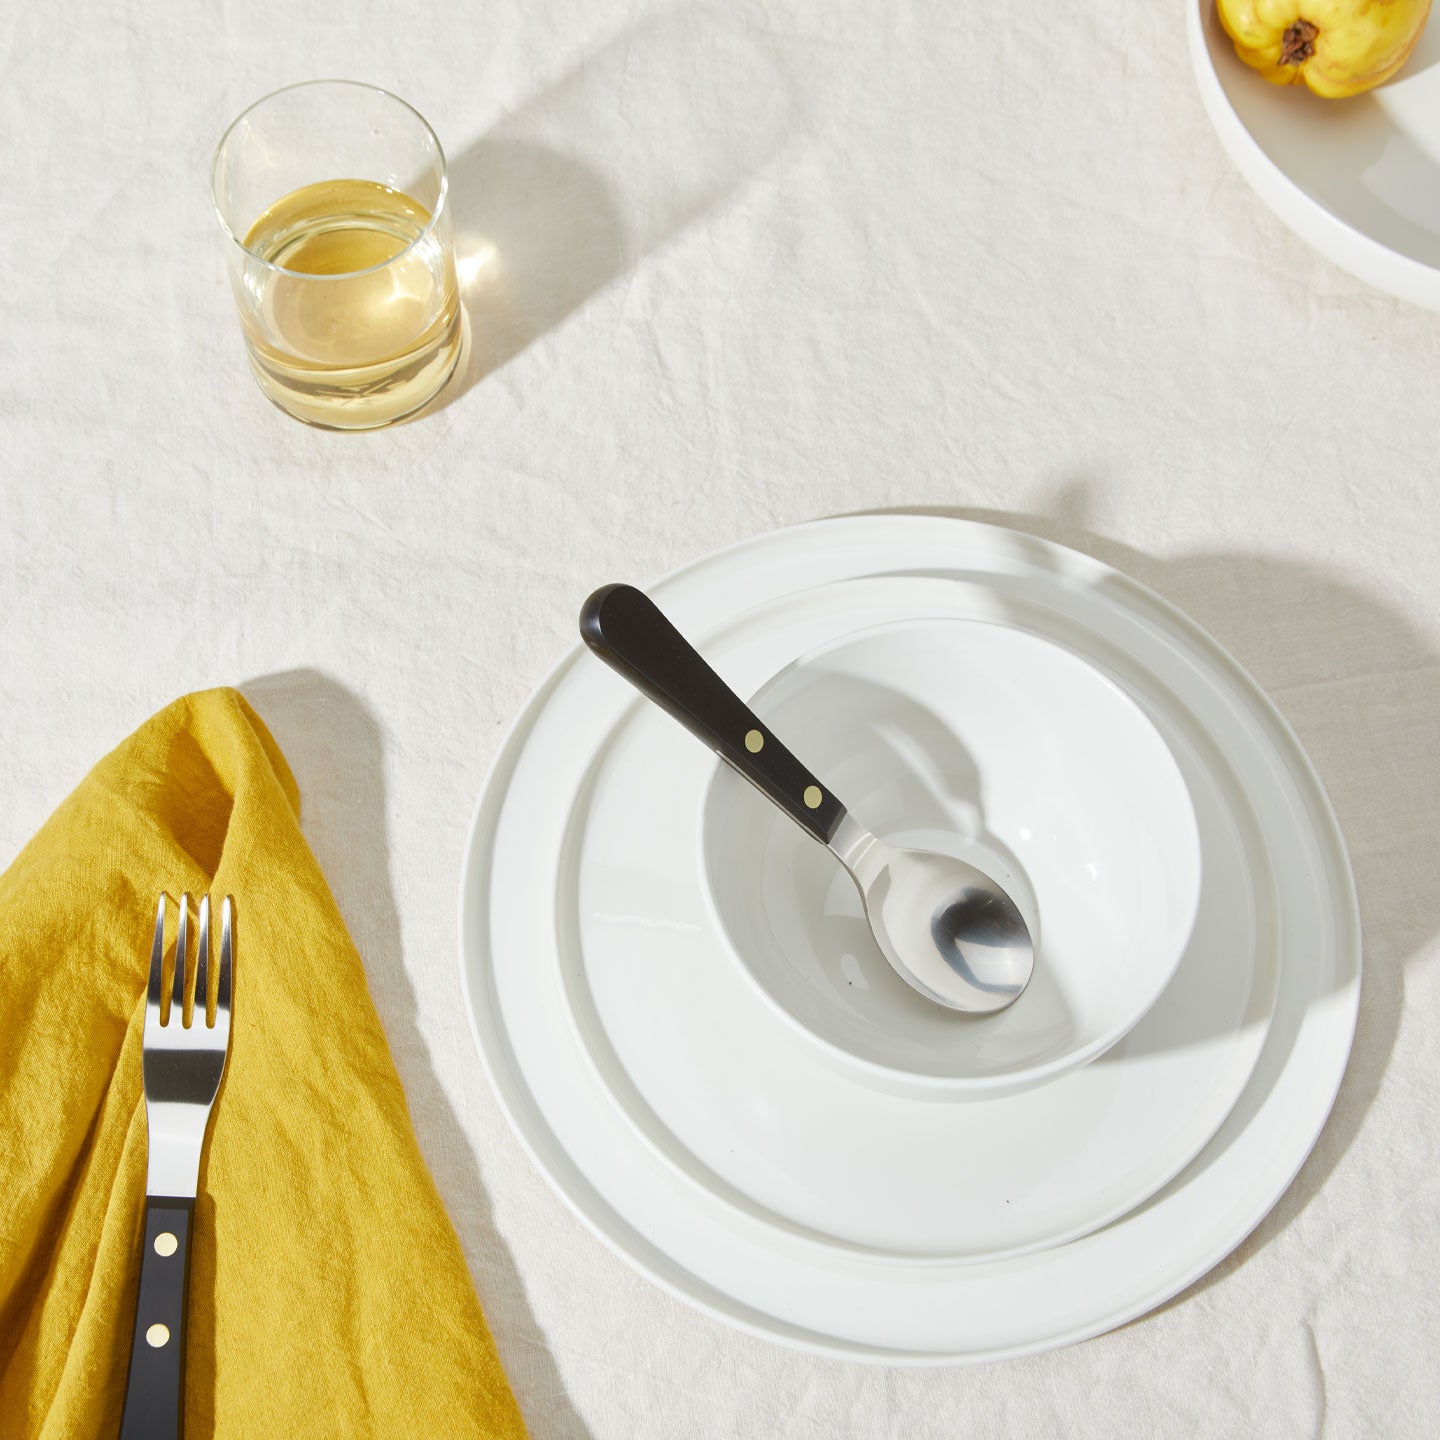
(1007, 750)
(1359, 179)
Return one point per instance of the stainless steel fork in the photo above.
(182, 1065)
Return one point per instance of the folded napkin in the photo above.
(328, 1292)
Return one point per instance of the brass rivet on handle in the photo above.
(754, 741)
(813, 797)
(157, 1335)
(165, 1243)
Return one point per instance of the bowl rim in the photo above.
(896, 1079)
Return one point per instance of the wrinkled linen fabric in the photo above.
(730, 267)
(328, 1291)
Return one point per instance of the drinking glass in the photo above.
(332, 198)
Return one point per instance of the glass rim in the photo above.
(344, 274)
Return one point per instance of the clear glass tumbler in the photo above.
(332, 198)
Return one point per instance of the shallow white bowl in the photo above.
(1359, 179)
(1011, 752)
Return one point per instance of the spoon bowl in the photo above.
(946, 927)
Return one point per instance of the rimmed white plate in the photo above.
(735, 1260)
(693, 1056)
(1359, 178)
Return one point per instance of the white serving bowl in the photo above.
(1359, 178)
(1011, 752)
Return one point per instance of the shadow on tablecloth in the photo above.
(574, 188)
(334, 747)
(1360, 685)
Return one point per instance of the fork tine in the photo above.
(222, 990)
(157, 956)
(182, 947)
(202, 965)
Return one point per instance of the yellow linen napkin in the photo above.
(328, 1292)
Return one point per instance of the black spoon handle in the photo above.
(625, 628)
(155, 1391)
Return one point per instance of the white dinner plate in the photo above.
(695, 1062)
(790, 1267)
(1359, 178)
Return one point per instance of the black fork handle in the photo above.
(155, 1391)
(627, 630)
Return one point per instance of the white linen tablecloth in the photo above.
(732, 268)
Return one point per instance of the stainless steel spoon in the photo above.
(946, 927)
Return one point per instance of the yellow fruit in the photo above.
(1336, 47)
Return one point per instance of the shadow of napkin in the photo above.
(335, 747)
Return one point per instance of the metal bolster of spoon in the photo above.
(946, 928)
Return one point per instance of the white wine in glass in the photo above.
(358, 313)
(333, 196)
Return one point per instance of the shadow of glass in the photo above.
(538, 233)
(334, 748)
(1360, 686)
(576, 187)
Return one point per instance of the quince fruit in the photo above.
(1336, 47)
